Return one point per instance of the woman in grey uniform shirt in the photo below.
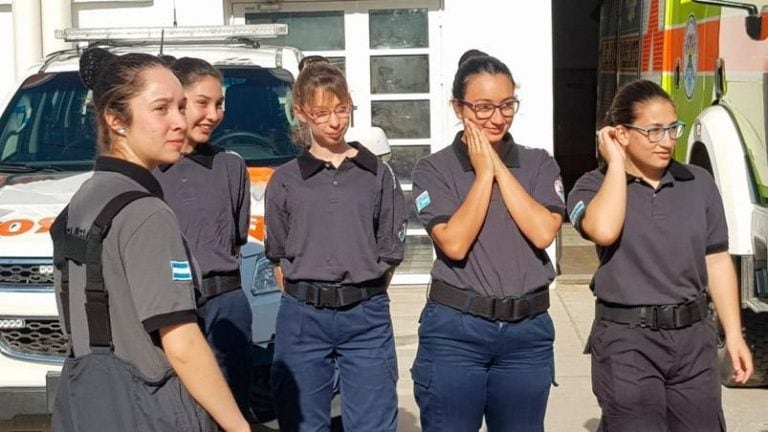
(491, 206)
(662, 240)
(335, 220)
(209, 191)
(138, 359)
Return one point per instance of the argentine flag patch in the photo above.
(180, 271)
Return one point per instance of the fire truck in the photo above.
(711, 56)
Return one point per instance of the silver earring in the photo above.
(122, 130)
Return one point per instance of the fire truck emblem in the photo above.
(690, 56)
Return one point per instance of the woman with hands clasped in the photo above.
(662, 240)
(491, 206)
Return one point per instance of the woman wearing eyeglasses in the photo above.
(491, 207)
(662, 240)
(335, 223)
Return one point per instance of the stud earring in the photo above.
(122, 130)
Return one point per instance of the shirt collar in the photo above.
(310, 165)
(135, 172)
(675, 171)
(508, 154)
(202, 154)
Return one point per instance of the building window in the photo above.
(398, 28)
(307, 31)
(400, 74)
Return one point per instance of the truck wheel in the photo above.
(755, 328)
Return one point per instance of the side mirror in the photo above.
(373, 138)
(753, 21)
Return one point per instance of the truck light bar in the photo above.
(195, 33)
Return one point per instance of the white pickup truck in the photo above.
(47, 148)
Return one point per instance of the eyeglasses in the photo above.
(323, 116)
(485, 110)
(654, 135)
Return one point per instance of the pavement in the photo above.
(572, 406)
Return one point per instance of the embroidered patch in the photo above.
(181, 271)
(422, 201)
(577, 213)
(559, 189)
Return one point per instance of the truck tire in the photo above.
(755, 329)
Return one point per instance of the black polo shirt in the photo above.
(660, 257)
(345, 224)
(209, 191)
(501, 262)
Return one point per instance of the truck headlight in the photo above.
(263, 276)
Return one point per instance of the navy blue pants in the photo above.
(316, 348)
(468, 367)
(227, 326)
(656, 380)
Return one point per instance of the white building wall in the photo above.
(519, 33)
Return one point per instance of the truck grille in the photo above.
(26, 273)
(38, 337)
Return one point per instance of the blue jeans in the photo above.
(468, 367)
(227, 326)
(316, 348)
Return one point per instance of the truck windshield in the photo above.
(48, 124)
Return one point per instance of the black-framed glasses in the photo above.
(654, 135)
(485, 110)
(323, 116)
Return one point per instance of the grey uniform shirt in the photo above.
(209, 191)
(336, 225)
(660, 256)
(501, 262)
(147, 272)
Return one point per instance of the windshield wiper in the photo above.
(24, 168)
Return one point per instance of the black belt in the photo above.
(665, 317)
(214, 285)
(335, 294)
(495, 309)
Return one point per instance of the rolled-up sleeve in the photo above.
(433, 198)
(581, 195)
(548, 188)
(392, 217)
(275, 219)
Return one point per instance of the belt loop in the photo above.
(468, 303)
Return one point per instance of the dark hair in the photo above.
(114, 80)
(624, 104)
(311, 59)
(475, 62)
(468, 54)
(190, 70)
(317, 74)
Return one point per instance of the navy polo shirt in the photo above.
(209, 191)
(660, 256)
(501, 261)
(345, 224)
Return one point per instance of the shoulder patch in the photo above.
(422, 201)
(559, 189)
(181, 271)
(577, 213)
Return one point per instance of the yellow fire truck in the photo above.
(711, 56)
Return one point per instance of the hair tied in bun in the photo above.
(92, 63)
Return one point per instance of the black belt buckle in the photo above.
(666, 317)
(327, 296)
